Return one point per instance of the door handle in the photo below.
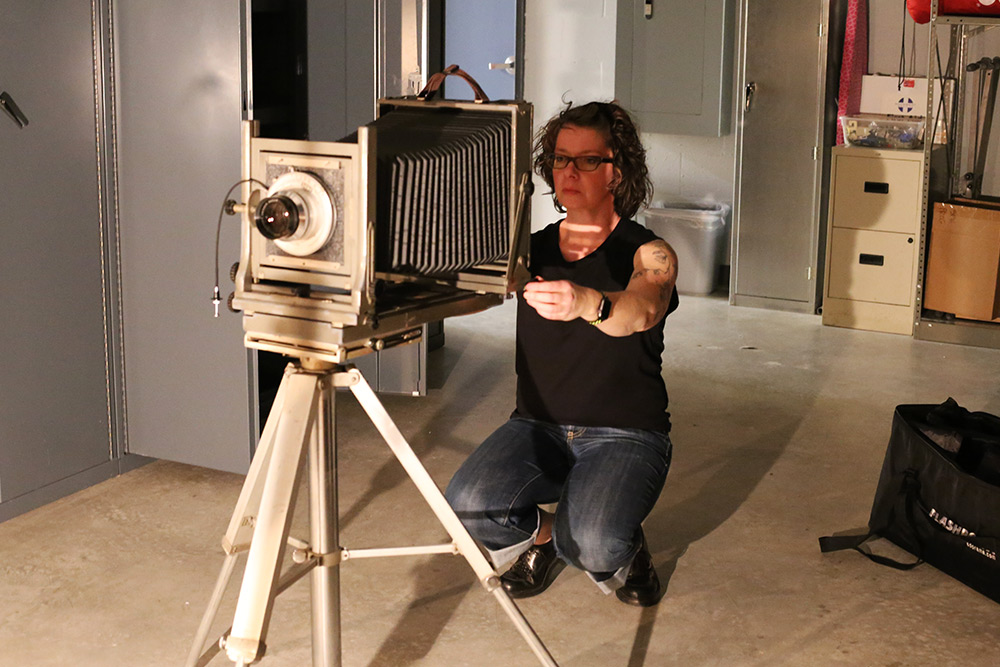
(507, 65)
(8, 105)
(750, 91)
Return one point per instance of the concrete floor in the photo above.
(780, 426)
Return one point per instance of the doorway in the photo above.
(485, 38)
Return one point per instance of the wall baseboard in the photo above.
(70, 485)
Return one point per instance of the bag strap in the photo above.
(911, 486)
(857, 542)
(841, 542)
(437, 80)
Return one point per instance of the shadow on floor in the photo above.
(714, 470)
(430, 610)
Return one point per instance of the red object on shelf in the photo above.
(920, 10)
(854, 64)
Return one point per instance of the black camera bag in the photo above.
(938, 495)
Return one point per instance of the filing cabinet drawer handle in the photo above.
(876, 187)
(872, 260)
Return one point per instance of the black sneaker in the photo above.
(533, 571)
(642, 586)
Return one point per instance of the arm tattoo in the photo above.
(641, 272)
(660, 252)
(660, 256)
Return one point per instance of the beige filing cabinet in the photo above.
(873, 239)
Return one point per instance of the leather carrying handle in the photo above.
(437, 80)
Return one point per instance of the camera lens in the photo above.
(277, 217)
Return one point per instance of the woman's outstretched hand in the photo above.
(562, 300)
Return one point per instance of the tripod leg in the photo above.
(445, 514)
(241, 525)
(260, 579)
(323, 531)
(240, 531)
(213, 608)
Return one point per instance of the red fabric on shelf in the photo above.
(920, 10)
(855, 62)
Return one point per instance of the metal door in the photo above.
(779, 150)
(54, 411)
(481, 37)
(179, 91)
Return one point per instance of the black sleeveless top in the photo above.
(571, 373)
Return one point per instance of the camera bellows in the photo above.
(444, 189)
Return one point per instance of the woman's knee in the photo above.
(464, 495)
(477, 499)
(593, 549)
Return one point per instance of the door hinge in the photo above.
(809, 273)
(815, 152)
(820, 30)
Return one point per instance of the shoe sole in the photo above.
(639, 602)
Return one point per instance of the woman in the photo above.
(590, 430)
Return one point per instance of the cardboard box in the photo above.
(963, 264)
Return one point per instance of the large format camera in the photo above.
(347, 247)
(353, 245)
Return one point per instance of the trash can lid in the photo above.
(708, 216)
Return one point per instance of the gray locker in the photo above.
(776, 223)
(55, 416)
(179, 89)
(673, 64)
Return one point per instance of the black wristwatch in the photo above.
(603, 311)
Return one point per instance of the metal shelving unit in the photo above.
(963, 332)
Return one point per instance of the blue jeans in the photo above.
(606, 481)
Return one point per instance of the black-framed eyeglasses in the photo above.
(581, 162)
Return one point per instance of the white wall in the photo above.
(691, 169)
(570, 56)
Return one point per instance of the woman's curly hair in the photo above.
(632, 189)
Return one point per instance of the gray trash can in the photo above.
(696, 232)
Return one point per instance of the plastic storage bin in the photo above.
(879, 131)
(696, 233)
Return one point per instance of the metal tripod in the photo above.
(303, 419)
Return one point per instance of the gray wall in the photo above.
(341, 73)
(886, 24)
